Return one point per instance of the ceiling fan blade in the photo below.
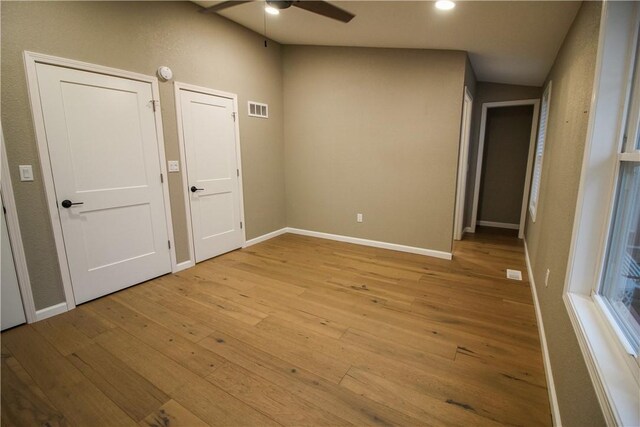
(223, 5)
(325, 9)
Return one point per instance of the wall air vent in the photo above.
(257, 109)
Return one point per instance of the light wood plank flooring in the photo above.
(293, 331)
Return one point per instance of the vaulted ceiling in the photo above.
(511, 42)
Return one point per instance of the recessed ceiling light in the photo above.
(271, 10)
(445, 5)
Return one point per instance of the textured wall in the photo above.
(488, 92)
(205, 50)
(373, 131)
(549, 238)
(504, 167)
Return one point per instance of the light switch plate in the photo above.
(174, 166)
(26, 172)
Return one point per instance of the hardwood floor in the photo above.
(293, 331)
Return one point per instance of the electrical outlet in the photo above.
(359, 217)
(546, 278)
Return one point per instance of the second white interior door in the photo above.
(213, 184)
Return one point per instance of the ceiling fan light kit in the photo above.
(322, 8)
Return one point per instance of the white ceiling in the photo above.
(511, 42)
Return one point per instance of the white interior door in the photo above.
(105, 160)
(209, 134)
(12, 308)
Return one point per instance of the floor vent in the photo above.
(514, 274)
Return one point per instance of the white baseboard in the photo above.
(373, 243)
(469, 230)
(553, 398)
(347, 239)
(499, 225)
(184, 265)
(54, 310)
(264, 237)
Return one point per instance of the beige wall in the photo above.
(548, 239)
(488, 92)
(504, 167)
(373, 131)
(205, 50)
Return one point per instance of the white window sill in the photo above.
(611, 368)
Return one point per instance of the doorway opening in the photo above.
(504, 164)
(463, 164)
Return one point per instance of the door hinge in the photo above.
(237, 172)
(234, 116)
(161, 178)
(240, 224)
(169, 243)
(154, 104)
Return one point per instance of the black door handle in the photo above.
(194, 189)
(68, 203)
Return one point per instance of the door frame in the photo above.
(15, 237)
(31, 59)
(463, 160)
(178, 86)
(532, 142)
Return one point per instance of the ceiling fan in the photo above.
(319, 7)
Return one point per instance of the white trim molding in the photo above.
(15, 238)
(265, 237)
(495, 224)
(527, 182)
(51, 311)
(183, 265)
(551, 388)
(463, 164)
(353, 240)
(372, 243)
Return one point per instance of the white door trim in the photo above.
(178, 86)
(30, 61)
(532, 142)
(15, 237)
(463, 160)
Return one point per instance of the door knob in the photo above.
(194, 189)
(68, 203)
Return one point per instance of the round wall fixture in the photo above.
(165, 73)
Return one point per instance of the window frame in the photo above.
(614, 370)
(545, 106)
(626, 152)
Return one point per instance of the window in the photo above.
(602, 293)
(620, 286)
(537, 169)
